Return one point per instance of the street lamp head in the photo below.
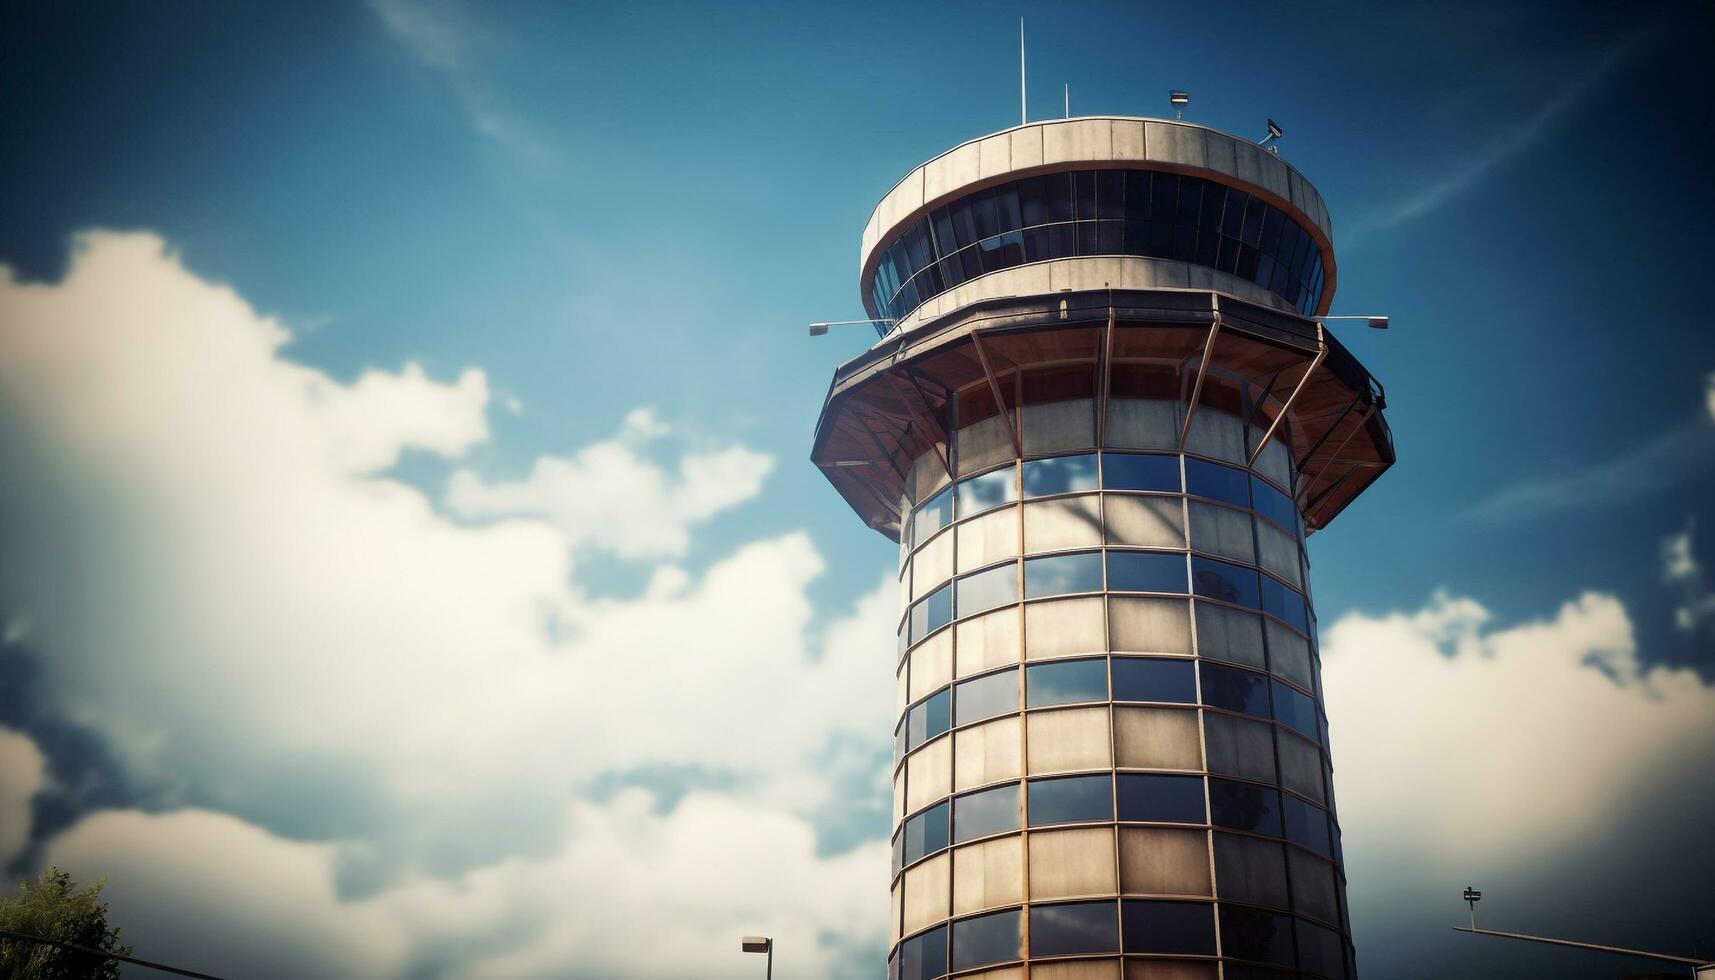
(1179, 98)
(818, 329)
(756, 944)
(1274, 130)
(1378, 323)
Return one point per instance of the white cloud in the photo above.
(224, 582)
(1695, 609)
(1462, 746)
(610, 496)
(632, 893)
(22, 773)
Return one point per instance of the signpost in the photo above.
(1473, 896)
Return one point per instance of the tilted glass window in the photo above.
(1063, 574)
(1171, 799)
(1320, 950)
(1141, 679)
(1066, 682)
(986, 492)
(1305, 824)
(1146, 571)
(1071, 799)
(1274, 505)
(1252, 934)
(1098, 212)
(1243, 806)
(1217, 482)
(925, 834)
(1227, 582)
(1235, 690)
(1059, 474)
(924, 957)
(932, 613)
(985, 697)
(932, 515)
(989, 811)
(997, 586)
(929, 719)
(1134, 471)
(1284, 604)
(1296, 710)
(1170, 927)
(994, 938)
(1078, 927)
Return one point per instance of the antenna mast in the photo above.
(1023, 115)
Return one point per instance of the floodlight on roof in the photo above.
(1179, 100)
(1274, 133)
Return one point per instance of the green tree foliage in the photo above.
(54, 908)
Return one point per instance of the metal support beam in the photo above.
(994, 389)
(1362, 421)
(1107, 375)
(1321, 352)
(937, 436)
(1308, 455)
(1197, 388)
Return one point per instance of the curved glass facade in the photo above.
(1111, 740)
(1099, 212)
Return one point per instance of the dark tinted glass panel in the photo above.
(1137, 679)
(1070, 800)
(1305, 824)
(1176, 799)
(1252, 934)
(1235, 690)
(1164, 215)
(929, 719)
(1242, 806)
(1217, 482)
(992, 811)
(932, 515)
(986, 590)
(924, 957)
(1220, 580)
(1284, 603)
(985, 697)
(1065, 682)
(1146, 571)
(1296, 710)
(993, 938)
(1082, 927)
(932, 613)
(926, 833)
(1063, 574)
(1060, 474)
(1132, 471)
(1274, 505)
(898, 851)
(1170, 927)
(986, 492)
(1320, 950)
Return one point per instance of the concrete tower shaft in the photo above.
(1100, 430)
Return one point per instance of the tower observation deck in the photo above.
(1100, 427)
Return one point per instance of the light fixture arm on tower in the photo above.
(760, 944)
(1374, 322)
(820, 327)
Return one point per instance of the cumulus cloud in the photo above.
(1460, 745)
(325, 677)
(22, 773)
(1683, 573)
(610, 496)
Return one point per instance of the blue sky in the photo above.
(620, 217)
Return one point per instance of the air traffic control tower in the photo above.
(1101, 421)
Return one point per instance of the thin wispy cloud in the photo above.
(435, 39)
(1672, 458)
(1515, 139)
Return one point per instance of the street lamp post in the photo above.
(760, 944)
